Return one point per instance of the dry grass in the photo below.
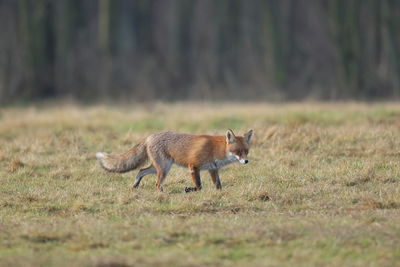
(322, 188)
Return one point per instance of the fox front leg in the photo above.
(215, 178)
(195, 172)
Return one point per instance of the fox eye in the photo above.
(246, 151)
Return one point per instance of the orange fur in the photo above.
(197, 152)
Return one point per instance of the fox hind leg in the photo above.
(161, 163)
(162, 167)
(162, 172)
(142, 173)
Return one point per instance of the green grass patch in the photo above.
(321, 188)
(226, 123)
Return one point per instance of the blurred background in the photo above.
(276, 50)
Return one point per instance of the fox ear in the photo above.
(230, 136)
(247, 136)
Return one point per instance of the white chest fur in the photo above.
(219, 163)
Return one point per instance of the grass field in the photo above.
(322, 188)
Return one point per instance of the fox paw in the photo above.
(190, 189)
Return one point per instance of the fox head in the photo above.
(238, 146)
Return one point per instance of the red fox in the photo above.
(197, 152)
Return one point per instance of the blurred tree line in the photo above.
(199, 49)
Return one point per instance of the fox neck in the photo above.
(220, 163)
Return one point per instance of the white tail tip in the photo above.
(100, 155)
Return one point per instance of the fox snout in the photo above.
(244, 161)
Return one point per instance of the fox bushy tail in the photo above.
(125, 162)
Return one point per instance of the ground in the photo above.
(322, 187)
